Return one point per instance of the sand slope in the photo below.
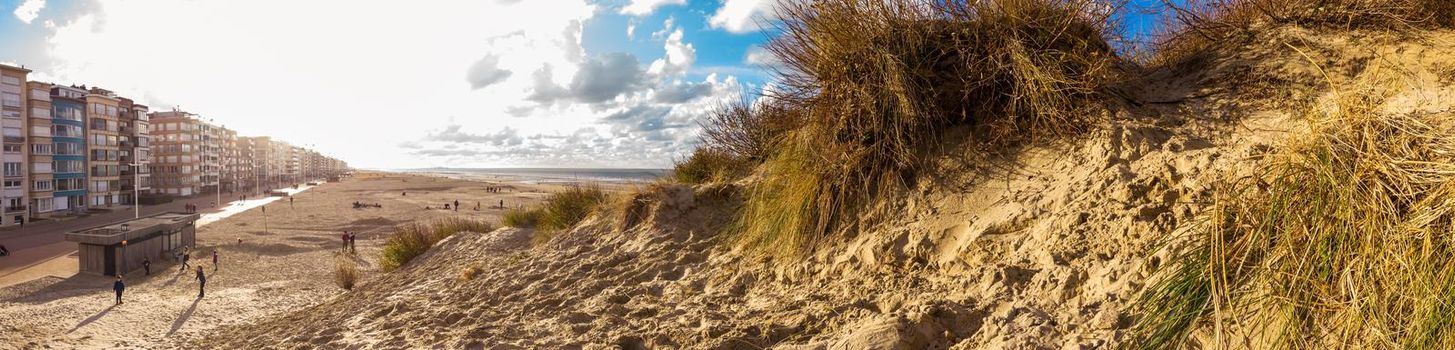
(1045, 249)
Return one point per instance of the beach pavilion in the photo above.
(121, 246)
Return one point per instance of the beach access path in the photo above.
(39, 249)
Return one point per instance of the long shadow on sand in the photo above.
(182, 319)
(93, 318)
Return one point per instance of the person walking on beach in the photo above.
(353, 236)
(214, 260)
(502, 204)
(118, 286)
(146, 264)
(186, 258)
(344, 238)
(201, 283)
(290, 202)
(457, 205)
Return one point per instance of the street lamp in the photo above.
(124, 229)
(136, 191)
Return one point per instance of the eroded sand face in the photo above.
(286, 267)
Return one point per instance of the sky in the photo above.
(395, 84)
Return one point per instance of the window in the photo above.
(13, 148)
(42, 185)
(10, 80)
(10, 114)
(40, 168)
(70, 166)
(44, 205)
(41, 148)
(12, 183)
(69, 184)
(14, 169)
(10, 99)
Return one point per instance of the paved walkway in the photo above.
(39, 249)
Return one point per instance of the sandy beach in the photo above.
(284, 262)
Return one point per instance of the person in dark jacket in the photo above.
(201, 283)
(146, 264)
(118, 286)
(214, 260)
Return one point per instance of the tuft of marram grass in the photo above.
(708, 164)
(410, 240)
(521, 217)
(560, 211)
(874, 83)
(345, 272)
(1346, 239)
(1199, 26)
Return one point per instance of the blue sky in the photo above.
(488, 83)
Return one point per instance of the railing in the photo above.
(15, 209)
(15, 139)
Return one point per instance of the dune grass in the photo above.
(345, 272)
(560, 211)
(410, 240)
(521, 217)
(710, 165)
(1345, 239)
(871, 85)
(1199, 26)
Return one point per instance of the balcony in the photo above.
(15, 209)
(15, 139)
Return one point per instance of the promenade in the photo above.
(39, 249)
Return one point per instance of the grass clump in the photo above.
(1346, 239)
(1196, 27)
(710, 165)
(469, 272)
(521, 217)
(875, 83)
(410, 240)
(345, 272)
(561, 210)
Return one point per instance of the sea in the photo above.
(554, 175)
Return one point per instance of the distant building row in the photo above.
(68, 149)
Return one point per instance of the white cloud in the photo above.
(679, 57)
(742, 16)
(667, 26)
(645, 7)
(29, 10)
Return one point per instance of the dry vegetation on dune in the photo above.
(869, 87)
(1344, 240)
(560, 211)
(1201, 27)
(410, 240)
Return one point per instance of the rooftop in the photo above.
(113, 233)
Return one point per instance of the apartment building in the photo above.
(13, 115)
(228, 159)
(135, 151)
(68, 115)
(176, 166)
(103, 147)
(42, 182)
